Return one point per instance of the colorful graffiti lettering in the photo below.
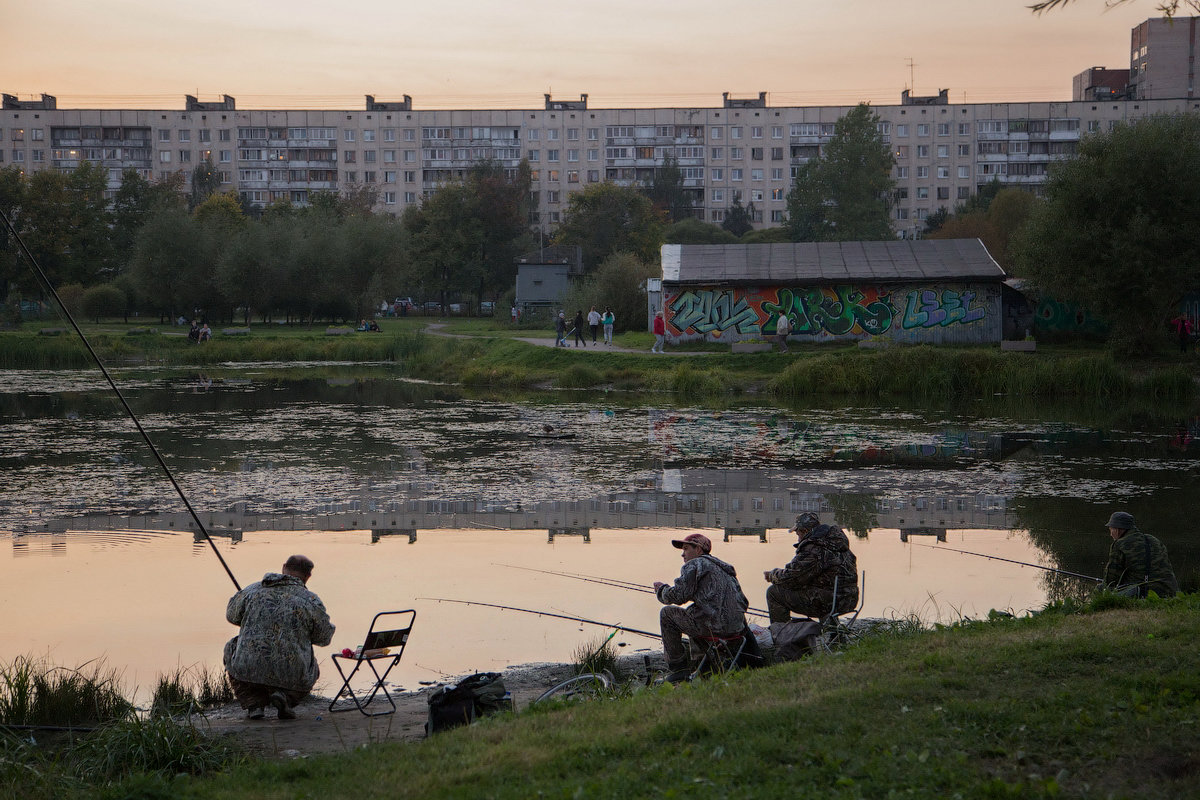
(1055, 315)
(713, 311)
(842, 310)
(927, 307)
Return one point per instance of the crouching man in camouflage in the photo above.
(806, 584)
(718, 605)
(271, 661)
(1137, 562)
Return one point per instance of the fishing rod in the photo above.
(45, 281)
(1011, 561)
(545, 614)
(614, 582)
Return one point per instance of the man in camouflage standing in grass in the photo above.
(271, 661)
(1137, 562)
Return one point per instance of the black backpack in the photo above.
(479, 695)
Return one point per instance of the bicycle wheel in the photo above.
(584, 686)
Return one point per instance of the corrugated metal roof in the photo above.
(826, 262)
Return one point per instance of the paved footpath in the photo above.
(434, 328)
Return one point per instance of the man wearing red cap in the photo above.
(718, 606)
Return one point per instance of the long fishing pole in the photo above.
(545, 614)
(614, 582)
(1010, 560)
(45, 281)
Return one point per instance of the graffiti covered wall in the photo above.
(910, 313)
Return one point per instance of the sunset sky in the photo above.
(489, 54)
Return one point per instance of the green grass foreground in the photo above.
(1060, 704)
(488, 354)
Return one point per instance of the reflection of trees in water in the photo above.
(1060, 588)
(855, 512)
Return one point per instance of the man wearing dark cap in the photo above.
(718, 605)
(806, 584)
(271, 660)
(1137, 562)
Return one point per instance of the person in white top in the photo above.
(782, 328)
(594, 323)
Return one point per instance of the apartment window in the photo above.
(735, 132)
(389, 134)
(777, 194)
(185, 156)
(184, 136)
(389, 156)
(369, 176)
(593, 176)
(410, 176)
(1093, 125)
(777, 215)
(777, 154)
(902, 151)
(164, 156)
(756, 132)
(533, 135)
(776, 131)
(572, 134)
(593, 154)
(901, 129)
(922, 172)
(553, 135)
(718, 195)
(943, 151)
(943, 172)
(964, 129)
(717, 216)
(225, 156)
(164, 136)
(716, 133)
(756, 154)
(552, 174)
(735, 153)
(349, 156)
(348, 135)
(718, 174)
(756, 174)
(901, 193)
(922, 130)
(756, 195)
(922, 151)
(922, 213)
(39, 155)
(223, 135)
(964, 192)
(389, 176)
(901, 172)
(534, 155)
(572, 176)
(593, 134)
(735, 174)
(943, 129)
(368, 136)
(901, 213)
(410, 156)
(964, 171)
(410, 197)
(718, 153)
(552, 196)
(205, 135)
(410, 134)
(964, 150)
(922, 192)
(777, 173)
(552, 155)
(943, 193)
(389, 198)
(351, 177)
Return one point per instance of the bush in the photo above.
(579, 376)
(103, 301)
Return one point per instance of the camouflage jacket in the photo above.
(712, 587)
(1139, 559)
(280, 621)
(821, 557)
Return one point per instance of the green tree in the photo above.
(205, 182)
(502, 210)
(845, 194)
(105, 300)
(606, 218)
(171, 263)
(13, 270)
(994, 222)
(446, 255)
(739, 218)
(1117, 229)
(693, 231)
(667, 192)
(135, 201)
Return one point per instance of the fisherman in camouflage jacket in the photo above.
(718, 605)
(1137, 562)
(271, 661)
(805, 585)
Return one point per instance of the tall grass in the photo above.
(190, 689)
(34, 692)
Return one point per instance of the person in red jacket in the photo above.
(660, 333)
(1183, 331)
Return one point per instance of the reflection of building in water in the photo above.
(26, 546)
(737, 502)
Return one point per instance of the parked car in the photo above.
(433, 307)
(487, 308)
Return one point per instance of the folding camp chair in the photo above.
(831, 624)
(721, 654)
(380, 635)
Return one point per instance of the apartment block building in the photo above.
(742, 149)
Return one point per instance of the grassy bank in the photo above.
(1063, 704)
(481, 356)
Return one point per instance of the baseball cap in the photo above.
(697, 539)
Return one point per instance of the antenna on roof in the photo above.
(912, 81)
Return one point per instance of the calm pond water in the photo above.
(313, 458)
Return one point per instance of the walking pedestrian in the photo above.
(782, 328)
(660, 334)
(594, 323)
(608, 319)
(560, 329)
(579, 337)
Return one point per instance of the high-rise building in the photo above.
(1162, 59)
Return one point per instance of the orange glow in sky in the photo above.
(622, 53)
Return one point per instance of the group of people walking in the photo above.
(595, 321)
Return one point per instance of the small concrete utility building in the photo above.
(920, 291)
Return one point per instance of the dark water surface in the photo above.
(463, 486)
